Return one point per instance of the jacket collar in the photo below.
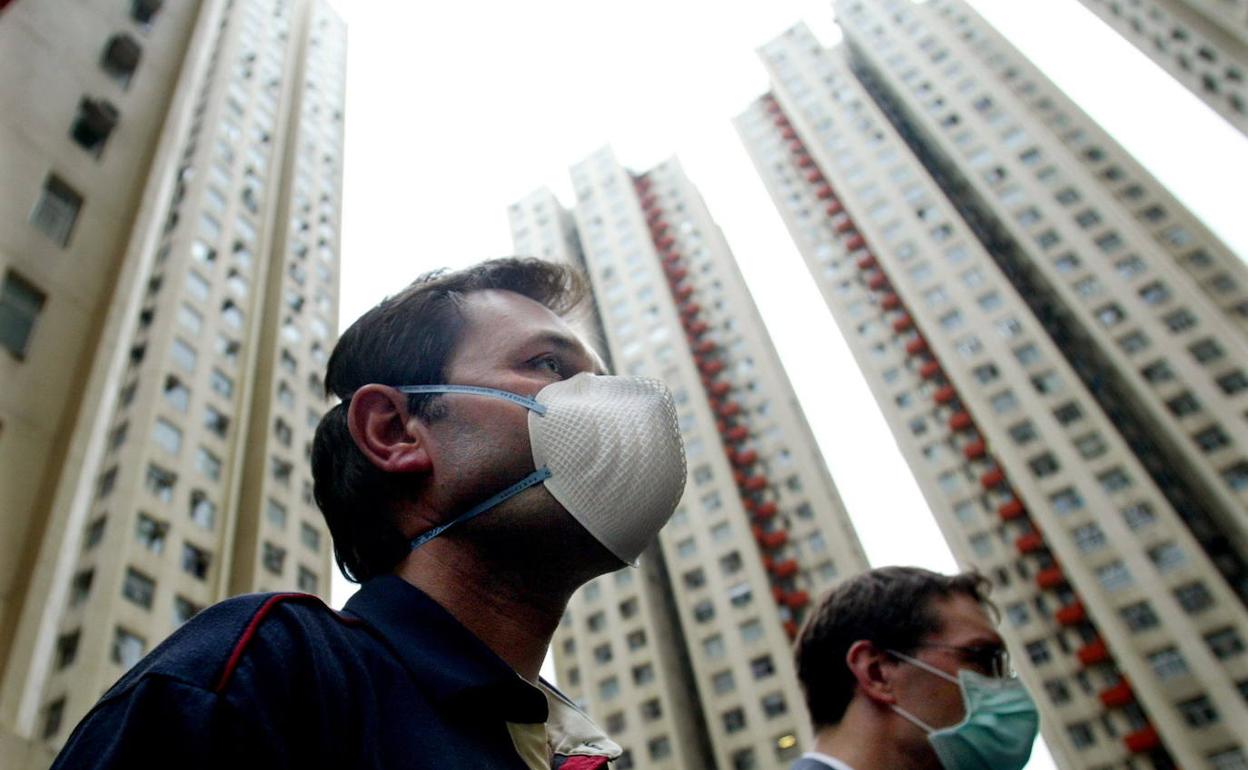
(448, 661)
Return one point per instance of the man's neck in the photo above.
(864, 742)
(506, 610)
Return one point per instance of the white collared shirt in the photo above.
(831, 762)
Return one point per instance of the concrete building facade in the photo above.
(169, 244)
(1060, 369)
(1202, 43)
(686, 661)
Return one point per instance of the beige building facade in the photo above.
(686, 660)
(169, 238)
(1202, 43)
(1060, 369)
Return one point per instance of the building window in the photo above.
(659, 748)
(651, 710)
(1114, 480)
(1198, 712)
(138, 588)
(195, 561)
(1167, 663)
(95, 122)
(636, 640)
(56, 211)
(95, 533)
(151, 533)
(751, 631)
(1114, 576)
(80, 588)
(167, 436)
(1167, 557)
(1225, 643)
(602, 653)
(1038, 652)
(1139, 515)
(704, 611)
(1237, 476)
(307, 580)
(121, 58)
(596, 621)
(774, 705)
(203, 511)
(128, 648)
(274, 558)
(183, 610)
(1044, 465)
(20, 305)
(160, 482)
(1057, 691)
(1194, 597)
(1139, 616)
(67, 649)
(723, 682)
(53, 715)
(1089, 538)
(310, 536)
(1081, 734)
(608, 688)
(733, 720)
(643, 674)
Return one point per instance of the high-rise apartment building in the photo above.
(1059, 349)
(1202, 43)
(686, 661)
(169, 249)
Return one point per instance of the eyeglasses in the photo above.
(990, 659)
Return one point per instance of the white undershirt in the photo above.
(831, 762)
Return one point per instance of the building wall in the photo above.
(1202, 43)
(1031, 479)
(52, 52)
(1219, 272)
(760, 531)
(186, 476)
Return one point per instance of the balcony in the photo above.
(945, 394)
(1071, 615)
(1117, 696)
(1029, 543)
(975, 450)
(929, 369)
(1050, 578)
(785, 569)
(916, 346)
(1143, 740)
(1094, 652)
(1011, 510)
(961, 421)
(993, 478)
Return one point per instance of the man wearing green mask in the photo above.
(903, 669)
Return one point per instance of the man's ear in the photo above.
(872, 668)
(385, 432)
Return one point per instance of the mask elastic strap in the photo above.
(919, 723)
(928, 667)
(533, 479)
(476, 390)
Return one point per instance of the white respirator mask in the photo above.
(607, 448)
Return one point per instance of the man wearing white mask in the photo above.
(480, 468)
(903, 669)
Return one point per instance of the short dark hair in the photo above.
(406, 339)
(889, 606)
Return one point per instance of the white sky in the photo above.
(456, 110)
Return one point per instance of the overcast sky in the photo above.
(456, 110)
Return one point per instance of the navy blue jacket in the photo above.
(281, 681)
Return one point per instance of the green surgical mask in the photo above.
(999, 727)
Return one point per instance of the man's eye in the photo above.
(549, 363)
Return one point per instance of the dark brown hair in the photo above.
(889, 606)
(407, 339)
